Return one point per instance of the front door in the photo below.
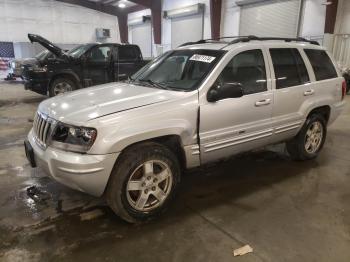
(233, 125)
(98, 67)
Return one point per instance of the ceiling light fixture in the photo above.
(121, 5)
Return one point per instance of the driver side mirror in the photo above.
(227, 90)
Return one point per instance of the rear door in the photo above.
(292, 87)
(233, 125)
(127, 62)
(97, 66)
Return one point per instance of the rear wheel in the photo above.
(309, 141)
(143, 182)
(61, 86)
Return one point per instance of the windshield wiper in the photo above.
(153, 84)
(129, 80)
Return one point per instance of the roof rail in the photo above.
(286, 39)
(202, 41)
(210, 40)
(238, 39)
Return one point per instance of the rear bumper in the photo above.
(336, 110)
(83, 172)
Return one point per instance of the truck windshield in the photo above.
(180, 70)
(78, 50)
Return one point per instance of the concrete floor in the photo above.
(287, 211)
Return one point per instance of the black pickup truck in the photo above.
(83, 66)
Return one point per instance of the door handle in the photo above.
(309, 92)
(263, 102)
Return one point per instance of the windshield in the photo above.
(78, 50)
(42, 55)
(179, 70)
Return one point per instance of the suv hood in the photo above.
(46, 43)
(86, 104)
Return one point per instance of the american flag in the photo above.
(6, 53)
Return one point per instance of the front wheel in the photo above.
(61, 86)
(309, 141)
(143, 182)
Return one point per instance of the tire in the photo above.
(130, 172)
(299, 148)
(65, 83)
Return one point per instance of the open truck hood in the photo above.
(46, 43)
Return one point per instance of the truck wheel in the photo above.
(310, 139)
(143, 182)
(61, 86)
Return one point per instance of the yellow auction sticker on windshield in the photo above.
(202, 58)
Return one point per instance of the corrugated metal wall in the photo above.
(186, 29)
(270, 18)
(141, 35)
(341, 49)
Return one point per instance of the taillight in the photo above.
(343, 89)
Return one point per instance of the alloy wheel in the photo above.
(313, 138)
(62, 87)
(149, 185)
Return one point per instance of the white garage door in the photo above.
(141, 35)
(277, 18)
(186, 29)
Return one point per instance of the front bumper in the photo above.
(83, 172)
(37, 85)
(16, 72)
(35, 81)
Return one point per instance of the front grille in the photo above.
(42, 127)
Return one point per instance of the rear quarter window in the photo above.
(321, 64)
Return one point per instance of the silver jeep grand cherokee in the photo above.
(193, 105)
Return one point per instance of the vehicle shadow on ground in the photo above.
(201, 189)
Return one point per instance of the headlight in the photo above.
(73, 138)
(39, 69)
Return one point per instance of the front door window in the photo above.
(246, 69)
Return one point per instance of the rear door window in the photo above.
(289, 67)
(127, 53)
(321, 64)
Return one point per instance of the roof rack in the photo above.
(238, 39)
(202, 41)
(210, 40)
(286, 39)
